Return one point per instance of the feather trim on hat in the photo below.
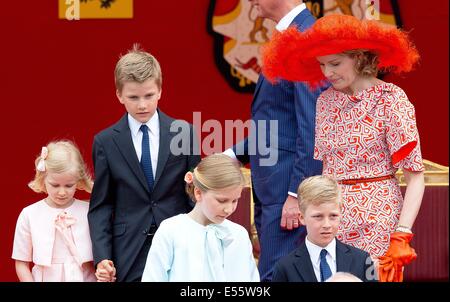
(291, 54)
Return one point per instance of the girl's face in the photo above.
(60, 188)
(340, 70)
(217, 205)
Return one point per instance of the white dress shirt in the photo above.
(153, 134)
(287, 19)
(314, 253)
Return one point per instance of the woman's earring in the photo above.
(357, 67)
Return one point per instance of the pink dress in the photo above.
(368, 135)
(58, 255)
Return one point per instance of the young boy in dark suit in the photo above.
(322, 255)
(139, 171)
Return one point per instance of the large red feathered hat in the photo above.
(291, 54)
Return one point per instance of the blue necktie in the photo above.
(146, 160)
(325, 271)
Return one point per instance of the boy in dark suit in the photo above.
(139, 171)
(322, 255)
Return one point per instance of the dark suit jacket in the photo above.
(122, 208)
(297, 266)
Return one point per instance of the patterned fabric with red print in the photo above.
(370, 134)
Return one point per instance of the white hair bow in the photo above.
(41, 164)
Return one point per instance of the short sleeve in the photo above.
(22, 247)
(402, 135)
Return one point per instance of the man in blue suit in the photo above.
(289, 144)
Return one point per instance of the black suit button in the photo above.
(145, 232)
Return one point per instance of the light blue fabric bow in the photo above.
(218, 237)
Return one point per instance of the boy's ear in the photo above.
(301, 218)
(119, 96)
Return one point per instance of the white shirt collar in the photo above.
(314, 250)
(152, 124)
(287, 20)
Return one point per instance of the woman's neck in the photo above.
(362, 83)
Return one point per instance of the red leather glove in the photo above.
(386, 269)
(389, 271)
(400, 250)
(399, 254)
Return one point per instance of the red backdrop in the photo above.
(58, 82)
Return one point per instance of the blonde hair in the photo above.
(317, 190)
(137, 66)
(343, 277)
(63, 157)
(366, 62)
(216, 172)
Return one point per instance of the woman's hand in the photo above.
(399, 254)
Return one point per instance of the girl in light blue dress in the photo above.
(204, 245)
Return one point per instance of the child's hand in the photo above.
(106, 272)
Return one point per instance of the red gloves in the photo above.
(399, 254)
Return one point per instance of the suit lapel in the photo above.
(258, 87)
(164, 144)
(343, 257)
(124, 143)
(304, 264)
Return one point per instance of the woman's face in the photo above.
(340, 70)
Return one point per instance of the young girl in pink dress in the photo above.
(53, 233)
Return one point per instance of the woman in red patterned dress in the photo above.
(365, 128)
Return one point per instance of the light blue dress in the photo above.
(186, 251)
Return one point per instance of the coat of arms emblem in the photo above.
(239, 32)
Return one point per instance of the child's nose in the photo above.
(326, 223)
(228, 209)
(142, 104)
